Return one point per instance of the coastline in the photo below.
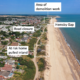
(70, 47)
(61, 57)
(75, 62)
(68, 43)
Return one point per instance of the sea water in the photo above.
(72, 35)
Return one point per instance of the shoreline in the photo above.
(64, 57)
(68, 43)
(72, 54)
(70, 47)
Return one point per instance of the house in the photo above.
(3, 57)
(24, 23)
(39, 50)
(36, 29)
(14, 44)
(18, 40)
(30, 53)
(24, 39)
(30, 34)
(40, 79)
(6, 67)
(4, 29)
(14, 55)
(25, 35)
(10, 62)
(21, 19)
(5, 75)
(7, 39)
(1, 78)
(8, 22)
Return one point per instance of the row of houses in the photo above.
(31, 22)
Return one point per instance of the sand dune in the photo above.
(61, 63)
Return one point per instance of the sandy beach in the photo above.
(62, 64)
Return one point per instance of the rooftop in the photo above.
(4, 73)
(14, 44)
(1, 78)
(6, 68)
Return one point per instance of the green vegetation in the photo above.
(37, 33)
(2, 53)
(29, 70)
(45, 29)
(2, 38)
(31, 43)
(17, 67)
(17, 34)
(47, 20)
(23, 43)
(22, 33)
(0, 23)
(5, 34)
(12, 37)
(2, 63)
(8, 27)
(2, 18)
(17, 73)
(44, 36)
(42, 47)
(3, 50)
(31, 56)
(41, 64)
(41, 53)
(26, 63)
(4, 42)
(39, 42)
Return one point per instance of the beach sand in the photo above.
(62, 64)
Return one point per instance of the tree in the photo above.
(3, 50)
(2, 63)
(17, 34)
(37, 33)
(41, 64)
(12, 37)
(17, 67)
(23, 43)
(0, 23)
(2, 38)
(4, 42)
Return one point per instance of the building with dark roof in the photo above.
(24, 39)
(4, 74)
